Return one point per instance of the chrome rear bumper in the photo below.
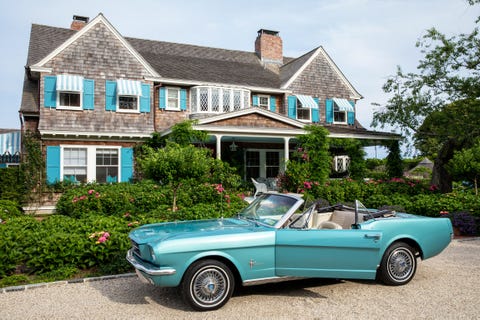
(152, 271)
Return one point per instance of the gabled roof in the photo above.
(98, 19)
(294, 68)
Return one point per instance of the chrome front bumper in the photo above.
(151, 271)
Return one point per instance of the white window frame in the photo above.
(344, 161)
(195, 98)
(137, 110)
(300, 106)
(263, 161)
(91, 160)
(335, 106)
(265, 106)
(167, 106)
(60, 106)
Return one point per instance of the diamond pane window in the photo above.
(215, 100)
(226, 100)
(237, 100)
(204, 99)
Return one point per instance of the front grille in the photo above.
(136, 248)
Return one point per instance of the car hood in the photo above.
(190, 229)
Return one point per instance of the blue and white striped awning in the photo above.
(129, 87)
(307, 101)
(10, 142)
(343, 105)
(67, 82)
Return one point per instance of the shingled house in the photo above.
(93, 94)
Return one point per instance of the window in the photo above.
(260, 163)
(205, 99)
(173, 98)
(252, 164)
(303, 113)
(339, 116)
(264, 102)
(91, 163)
(107, 165)
(70, 90)
(341, 163)
(128, 95)
(69, 99)
(128, 103)
(75, 164)
(272, 163)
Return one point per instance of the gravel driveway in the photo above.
(445, 287)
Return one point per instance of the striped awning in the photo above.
(67, 82)
(343, 105)
(128, 87)
(307, 101)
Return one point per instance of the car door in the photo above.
(327, 253)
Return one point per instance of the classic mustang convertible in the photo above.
(271, 240)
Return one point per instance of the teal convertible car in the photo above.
(273, 240)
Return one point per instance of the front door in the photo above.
(328, 253)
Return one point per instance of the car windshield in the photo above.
(268, 209)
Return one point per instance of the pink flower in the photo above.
(91, 191)
(126, 215)
(97, 195)
(219, 188)
(83, 198)
(75, 200)
(443, 213)
(307, 185)
(102, 239)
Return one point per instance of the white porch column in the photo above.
(218, 138)
(286, 148)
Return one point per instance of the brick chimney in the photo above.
(269, 48)
(79, 22)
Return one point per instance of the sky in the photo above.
(367, 39)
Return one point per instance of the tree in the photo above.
(443, 132)
(448, 72)
(394, 161)
(311, 162)
(465, 165)
(175, 165)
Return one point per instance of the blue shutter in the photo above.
(53, 164)
(88, 94)
(50, 91)
(111, 95)
(255, 101)
(145, 98)
(292, 107)
(183, 99)
(162, 101)
(273, 103)
(127, 164)
(329, 111)
(315, 112)
(351, 114)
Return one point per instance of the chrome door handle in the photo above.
(375, 236)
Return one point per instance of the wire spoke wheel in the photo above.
(398, 265)
(208, 285)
